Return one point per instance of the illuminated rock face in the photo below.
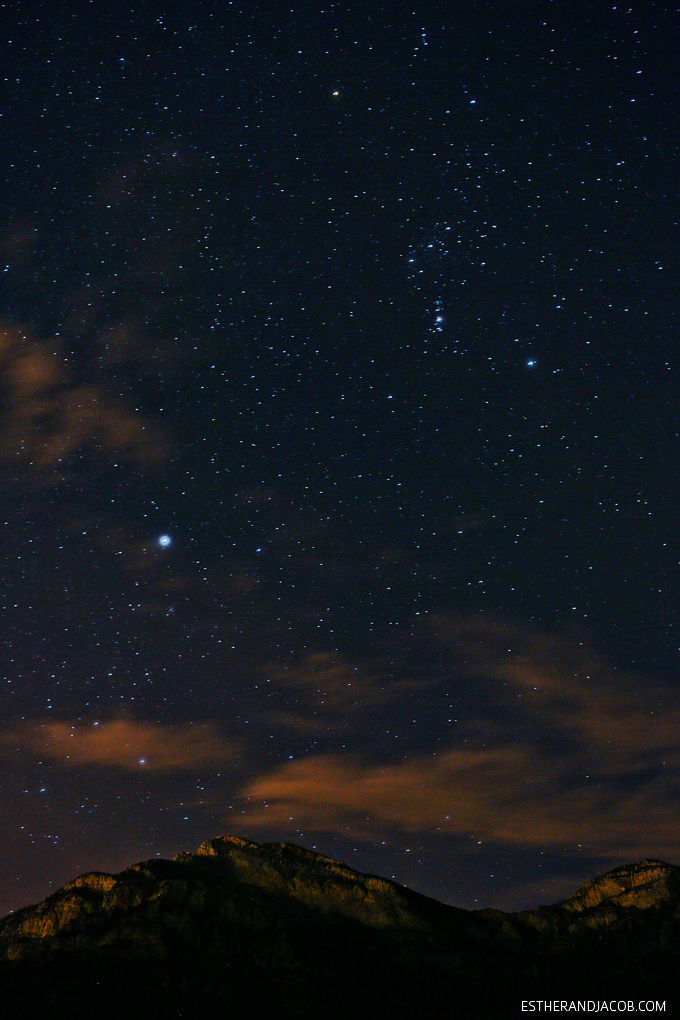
(279, 930)
(642, 885)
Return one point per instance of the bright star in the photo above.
(530, 363)
(164, 541)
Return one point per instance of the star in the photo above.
(164, 541)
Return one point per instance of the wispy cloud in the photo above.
(507, 796)
(553, 746)
(327, 682)
(122, 744)
(48, 416)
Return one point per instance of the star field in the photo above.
(339, 440)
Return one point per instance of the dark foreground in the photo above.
(242, 930)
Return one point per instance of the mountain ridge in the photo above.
(238, 923)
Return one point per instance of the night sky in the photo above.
(339, 438)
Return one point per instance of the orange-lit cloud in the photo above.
(508, 797)
(553, 746)
(326, 682)
(122, 744)
(48, 416)
(563, 689)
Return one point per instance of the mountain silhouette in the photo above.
(239, 929)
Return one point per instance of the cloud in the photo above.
(122, 744)
(48, 416)
(561, 691)
(337, 792)
(329, 683)
(552, 747)
(326, 693)
(507, 797)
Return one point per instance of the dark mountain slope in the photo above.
(239, 929)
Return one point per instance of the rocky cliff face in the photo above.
(280, 930)
(643, 885)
